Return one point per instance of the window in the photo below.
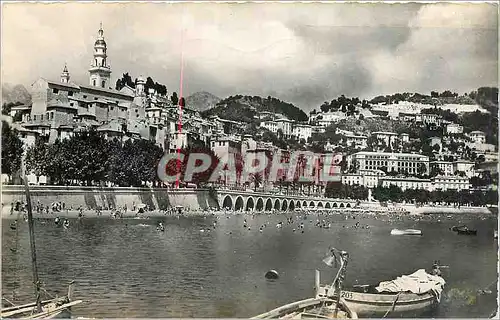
(112, 108)
(95, 98)
(103, 84)
(84, 96)
(56, 91)
(70, 93)
(93, 83)
(71, 104)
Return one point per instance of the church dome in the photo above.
(100, 42)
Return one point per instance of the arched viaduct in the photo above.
(257, 201)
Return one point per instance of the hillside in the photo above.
(487, 98)
(15, 93)
(245, 108)
(201, 101)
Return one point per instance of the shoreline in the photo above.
(373, 211)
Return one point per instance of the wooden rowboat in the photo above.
(313, 308)
(395, 304)
(319, 307)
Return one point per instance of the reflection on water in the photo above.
(125, 268)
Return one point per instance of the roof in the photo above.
(390, 154)
(385, 132)
(21, 107)
(110, 127)
(112, 91)
(405, 179)
(71, 85)
(67, 126)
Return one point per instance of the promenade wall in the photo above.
(111, 197)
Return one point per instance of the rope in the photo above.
(47, 293)
(393, 306)
(9, 301)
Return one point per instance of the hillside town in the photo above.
(437, 143)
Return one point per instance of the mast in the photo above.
(36, 282)
(339, 279)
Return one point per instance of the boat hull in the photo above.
(313, 308)
(407, 232)
(377, 305)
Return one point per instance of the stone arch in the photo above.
(311, 204)
(291, 205)
(342, 205)
(238, 205)
(335, 205)
(304, 204)
(284, 205)
(297, 204)
(348, 205)
(277, 204)
(269, 205)
(260, 205)
(250, 204)
(320, 204)
(327, 205)
(227, 202)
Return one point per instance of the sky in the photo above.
(303, 53)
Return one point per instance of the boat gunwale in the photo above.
(291, 308)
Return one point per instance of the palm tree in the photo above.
(257, 180)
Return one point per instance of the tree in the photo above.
(126, 80)
(324, 107)
(421, 169)
(174, 98)
(257, 180)
(12, 150)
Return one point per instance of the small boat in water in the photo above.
(409, 296)
(406, 232)
(321, 306)
(464, 230)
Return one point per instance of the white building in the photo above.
(445, 166)
(286, 126)
(324, 119)
(402, 162)
(302, 131)
(454, 128)
(464, 166)
(405, 137)
(387, 137)
(270, 125)
(225, 145)
(369, 178)
(478, 136)
(358, 141)
(406, 183)
(457, 183)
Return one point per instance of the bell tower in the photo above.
(65, 75)
(100, 70)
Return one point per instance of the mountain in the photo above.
(246, 108)
(202, 101)
(13, 94)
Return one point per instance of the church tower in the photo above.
(65, 75)
(100, 71)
